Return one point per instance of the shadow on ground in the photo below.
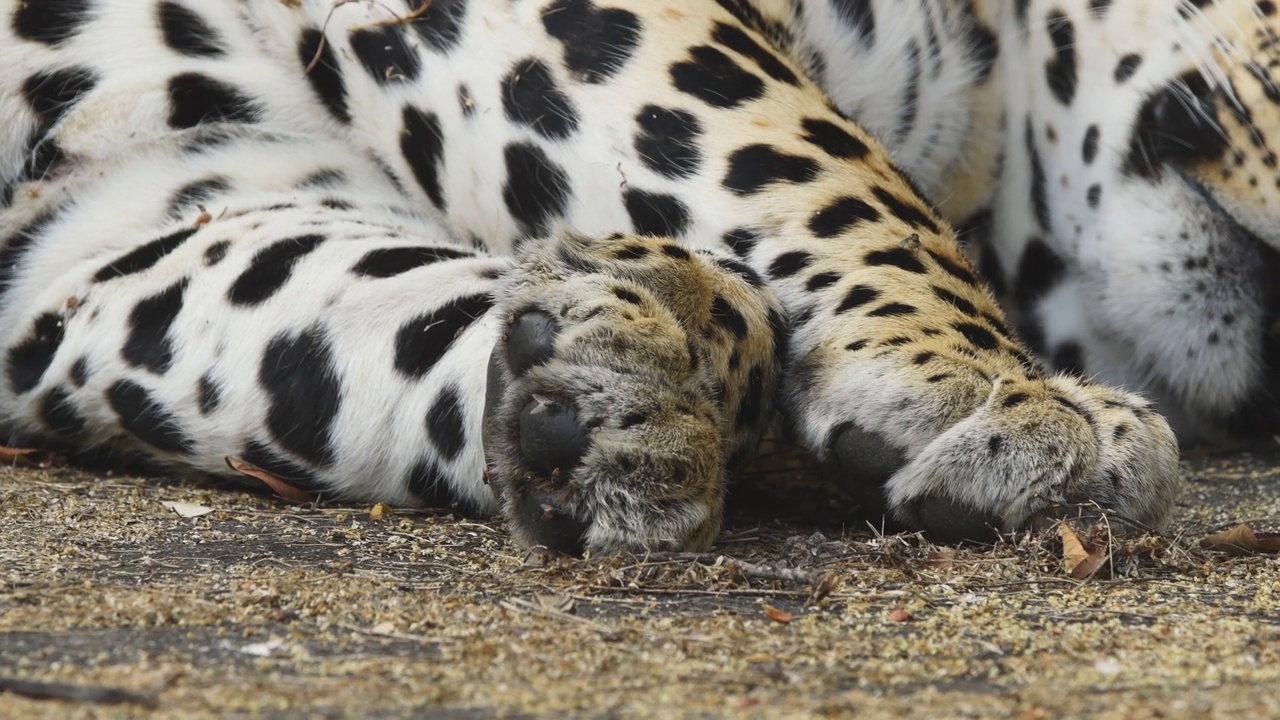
(261, 608)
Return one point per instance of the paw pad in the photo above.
(531, 341)
(950, 522)
(550, 524)
(551, 438)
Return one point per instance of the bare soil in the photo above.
(261, 608)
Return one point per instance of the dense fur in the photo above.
(561, 258)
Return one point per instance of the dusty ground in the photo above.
(261, 608)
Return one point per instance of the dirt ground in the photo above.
(260, 608)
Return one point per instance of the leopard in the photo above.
(567, 262)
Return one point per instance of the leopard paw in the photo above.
(1033, 449)
(610, 404)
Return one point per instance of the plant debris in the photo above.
(1242, 540)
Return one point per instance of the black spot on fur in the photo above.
(530, 97)
(385, 54)
(187, 33)
(667, 141)
(325, 74)
(753, 167)
(1014, 399)
(597, 42)
(860, 16)
(1089, 148)
(958, 302)
(631, 252)
(627, 296)
(910, 107)
(323, 178)
(898, 257)
(1039, 198)
(789, 263)
(429, 484)
(1126, 67)
(727, 316)
(29, 359)
(840, 215)
(196, 193)
(59, 414)
(208, 394)
(1060, 71)
(893, 309)
(752, 406)
(148, 344)
(738, 41)
(715, 78)
(445, 423)
(857, 296)
(389, 262)
(216, 252)
(144, 256)
(740, 269)
(954, 268)
(144, 417)
(51, 22)
(196, 99)
(440, 23)
(741, 240)
(833, 139)
(1098, 8)
(421, 342)
(1094, 195)
(79, 371)
(984, 48)
(304, 393)
(422, 145)
(1039, 270)
(52, 93)
(978, 335)
(536, 191)
(656, 213)
(677, 252)
(905, 211)
(821, 280)
(14, 248)
(270, 269)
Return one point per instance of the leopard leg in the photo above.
(632, 377)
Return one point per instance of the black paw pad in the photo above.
(951, 522)
(551, 438)
(550, 524)
(531, 340)
(861, 462)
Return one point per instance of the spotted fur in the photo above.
(554, 258)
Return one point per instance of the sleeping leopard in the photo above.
(568, 260)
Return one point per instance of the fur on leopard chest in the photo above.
(560, 258)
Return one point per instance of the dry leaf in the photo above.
(1073, 552)
(278, 486)
(1241, 540)
(27, 456)
(782, 617)
(554, 602)
(1078, 562)
(186, 509)
(899, 615)
(379, 511)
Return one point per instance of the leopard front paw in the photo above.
(605, 421)
(1033, 450)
